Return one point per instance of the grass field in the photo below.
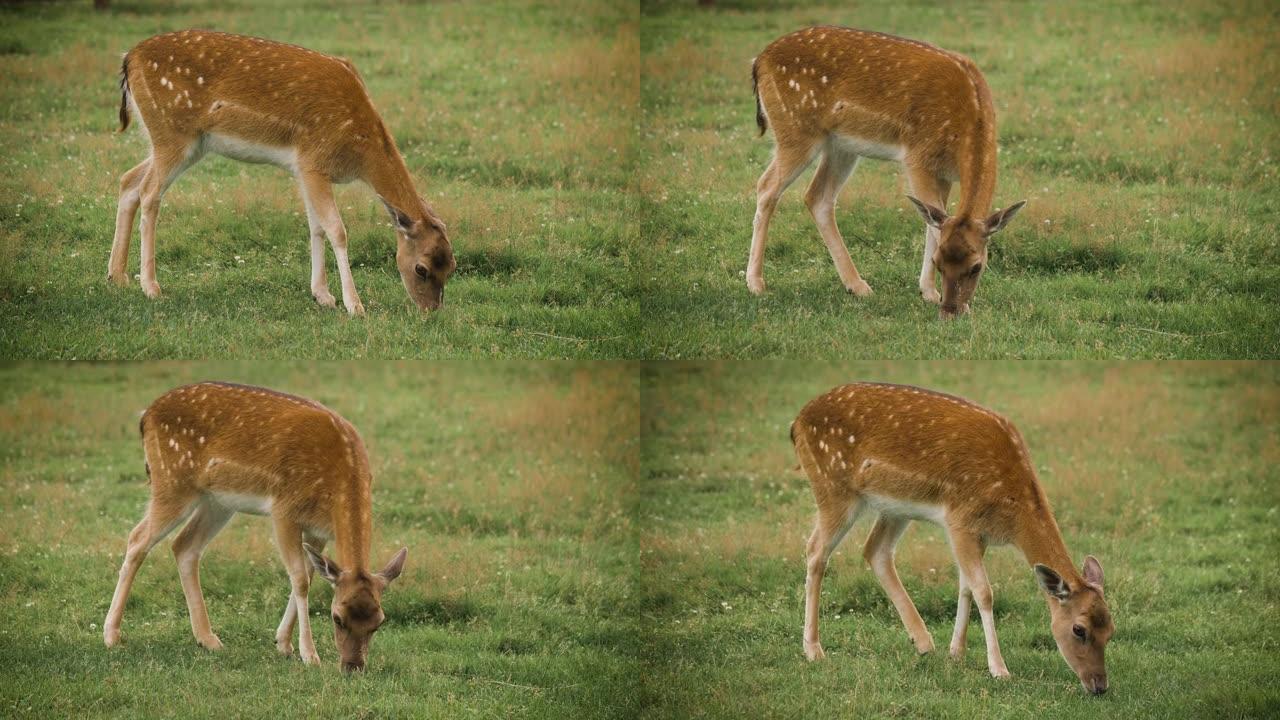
(510, 490)
(514, 118)
(1166, 472)
(1144, 136)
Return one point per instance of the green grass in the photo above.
(1166, 472)
(514, 121)
(1144, 136)
(507, 481)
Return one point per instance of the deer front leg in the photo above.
(928, 290)
(968, 550)
(289, 540)
(284, 633)
(319, 279)
(933, 190)
(319, 196)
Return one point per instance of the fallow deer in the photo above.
(259, 101)
(907, 454)
(845, 94)
(214, 449)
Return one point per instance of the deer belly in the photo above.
(894, 507)
(251, 152)
(242, 502)
(863, 147)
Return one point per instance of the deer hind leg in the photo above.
(833, 172)
(289, 542)
(166, 166)
(208, 519)
(968, 550)
(162, 517)
(878, 552)
(787, 164)
(319, 197)
(319, 279)
(284, 633)
(932, 190)
(126, 212)
(832, 524)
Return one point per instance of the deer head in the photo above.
(1081, 622)
(423, 255)
(962, 251)
(357, 604)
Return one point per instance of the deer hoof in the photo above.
(814, 652)
(324, 298)
(212, 642)
(859, 288)
(755, 285)
(931, 295)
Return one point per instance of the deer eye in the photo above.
(1078, 631)
(973, 271)
(338, 621)
(421, 271)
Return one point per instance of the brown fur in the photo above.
(194, 85)
(821, 87)
(869, 446)
(208, 442)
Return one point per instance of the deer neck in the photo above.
(977, 159)
(350, 510)
(387, 175)
(1041, 541)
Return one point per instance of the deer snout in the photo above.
(951, 312)
(349, 666)
(1096, 684)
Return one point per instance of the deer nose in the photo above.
(352, 666)
(1099, 684)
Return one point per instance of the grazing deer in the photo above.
(847, 94)
(912, 454)
(259, 101)
(215, 449)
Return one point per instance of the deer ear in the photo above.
(1051, 582)
(1092, 570)
(394, 567)
(933, 217)
(403, 221)
(1000, 218)
(327, 568)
